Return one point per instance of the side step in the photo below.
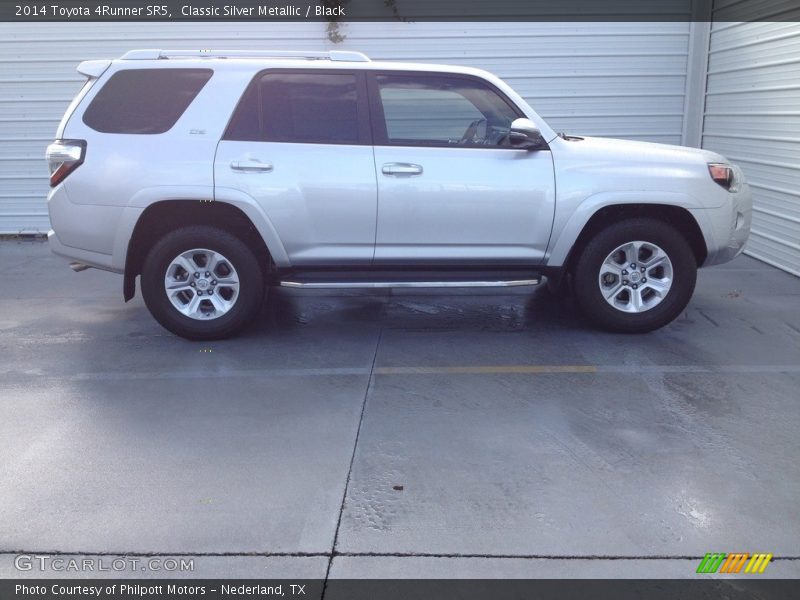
(408, 279)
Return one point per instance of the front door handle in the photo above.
(401, 169)
(251, 166)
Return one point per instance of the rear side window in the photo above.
(319, 108)
(144, 101)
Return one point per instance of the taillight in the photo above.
(723, 175)
(63, 157)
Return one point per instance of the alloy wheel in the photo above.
(635, 277)
(201, 284)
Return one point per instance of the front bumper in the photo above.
(727, 228)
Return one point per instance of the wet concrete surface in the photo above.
(469, 434)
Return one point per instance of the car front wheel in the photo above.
(635, 276)
(202, 283)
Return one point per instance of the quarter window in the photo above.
(316, 108)
(434, 110)
(144, 101)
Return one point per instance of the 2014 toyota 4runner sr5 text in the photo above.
(214, 175)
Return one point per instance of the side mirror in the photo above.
(524, 135)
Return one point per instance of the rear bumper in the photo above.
(82, 232)
(86, 257)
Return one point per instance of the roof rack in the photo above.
(334, 55)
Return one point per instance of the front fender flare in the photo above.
(565, 235)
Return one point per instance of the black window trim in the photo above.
(380, 135)
(362, 106)
(171, 127)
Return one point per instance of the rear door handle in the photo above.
(401, 169)
(251, 166)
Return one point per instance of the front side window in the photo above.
(144, 101)
(440, 110)
(319, 108)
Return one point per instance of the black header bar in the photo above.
(738, 588)
(403, 10)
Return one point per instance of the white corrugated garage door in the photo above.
(752, 116)
(614, 79)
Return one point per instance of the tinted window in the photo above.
(317, 108)
(144, 100)
(443, 111)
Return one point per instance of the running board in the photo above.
(329, 285)
(367, 280)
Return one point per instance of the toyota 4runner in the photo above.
(213, 175)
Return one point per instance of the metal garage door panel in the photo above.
(752, 116)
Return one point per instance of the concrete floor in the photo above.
(437, 434)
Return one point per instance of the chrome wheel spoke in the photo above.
(611, 268)
(636, 300)
(632, 252)
(227, 281)
(613, 292)
(611, 278)
(220, 304)
(660, 287)
(657, 259)
(186, 263)
(212, 260)
(192, 306)
(179, 286)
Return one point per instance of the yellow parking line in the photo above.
(486, 369)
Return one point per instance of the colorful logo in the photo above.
(721, 562)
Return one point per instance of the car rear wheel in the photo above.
(635, 276)
(202, 283)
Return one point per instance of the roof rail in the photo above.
(334, 55)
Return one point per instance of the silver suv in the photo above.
(214, 175)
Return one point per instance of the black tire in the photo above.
(241, 257)
(587, 272)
